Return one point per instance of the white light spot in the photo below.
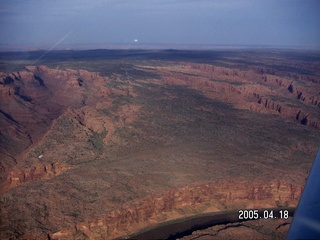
(136, 40)
(41, 156)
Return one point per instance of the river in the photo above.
(185, 226)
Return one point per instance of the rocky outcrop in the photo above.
(251, 89)
(220, 196)
(73, 102)
(292, 113)
(30, 100)
(36, 172)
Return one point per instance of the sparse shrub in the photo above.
(96, 139)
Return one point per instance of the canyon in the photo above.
(101, 149)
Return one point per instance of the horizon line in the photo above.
(146, 46)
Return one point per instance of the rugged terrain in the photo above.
(101, 148)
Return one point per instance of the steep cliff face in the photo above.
(34, 173)
(208, 197)
(251, 89)
(300, 115)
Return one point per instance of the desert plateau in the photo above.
(102, 144)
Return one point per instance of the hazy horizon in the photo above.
(146, 46)
(203, 24)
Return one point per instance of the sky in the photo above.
(59, 24)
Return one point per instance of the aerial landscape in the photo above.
(136, 139)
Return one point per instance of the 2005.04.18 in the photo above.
(265, 214)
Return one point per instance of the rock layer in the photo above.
(220, 196)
